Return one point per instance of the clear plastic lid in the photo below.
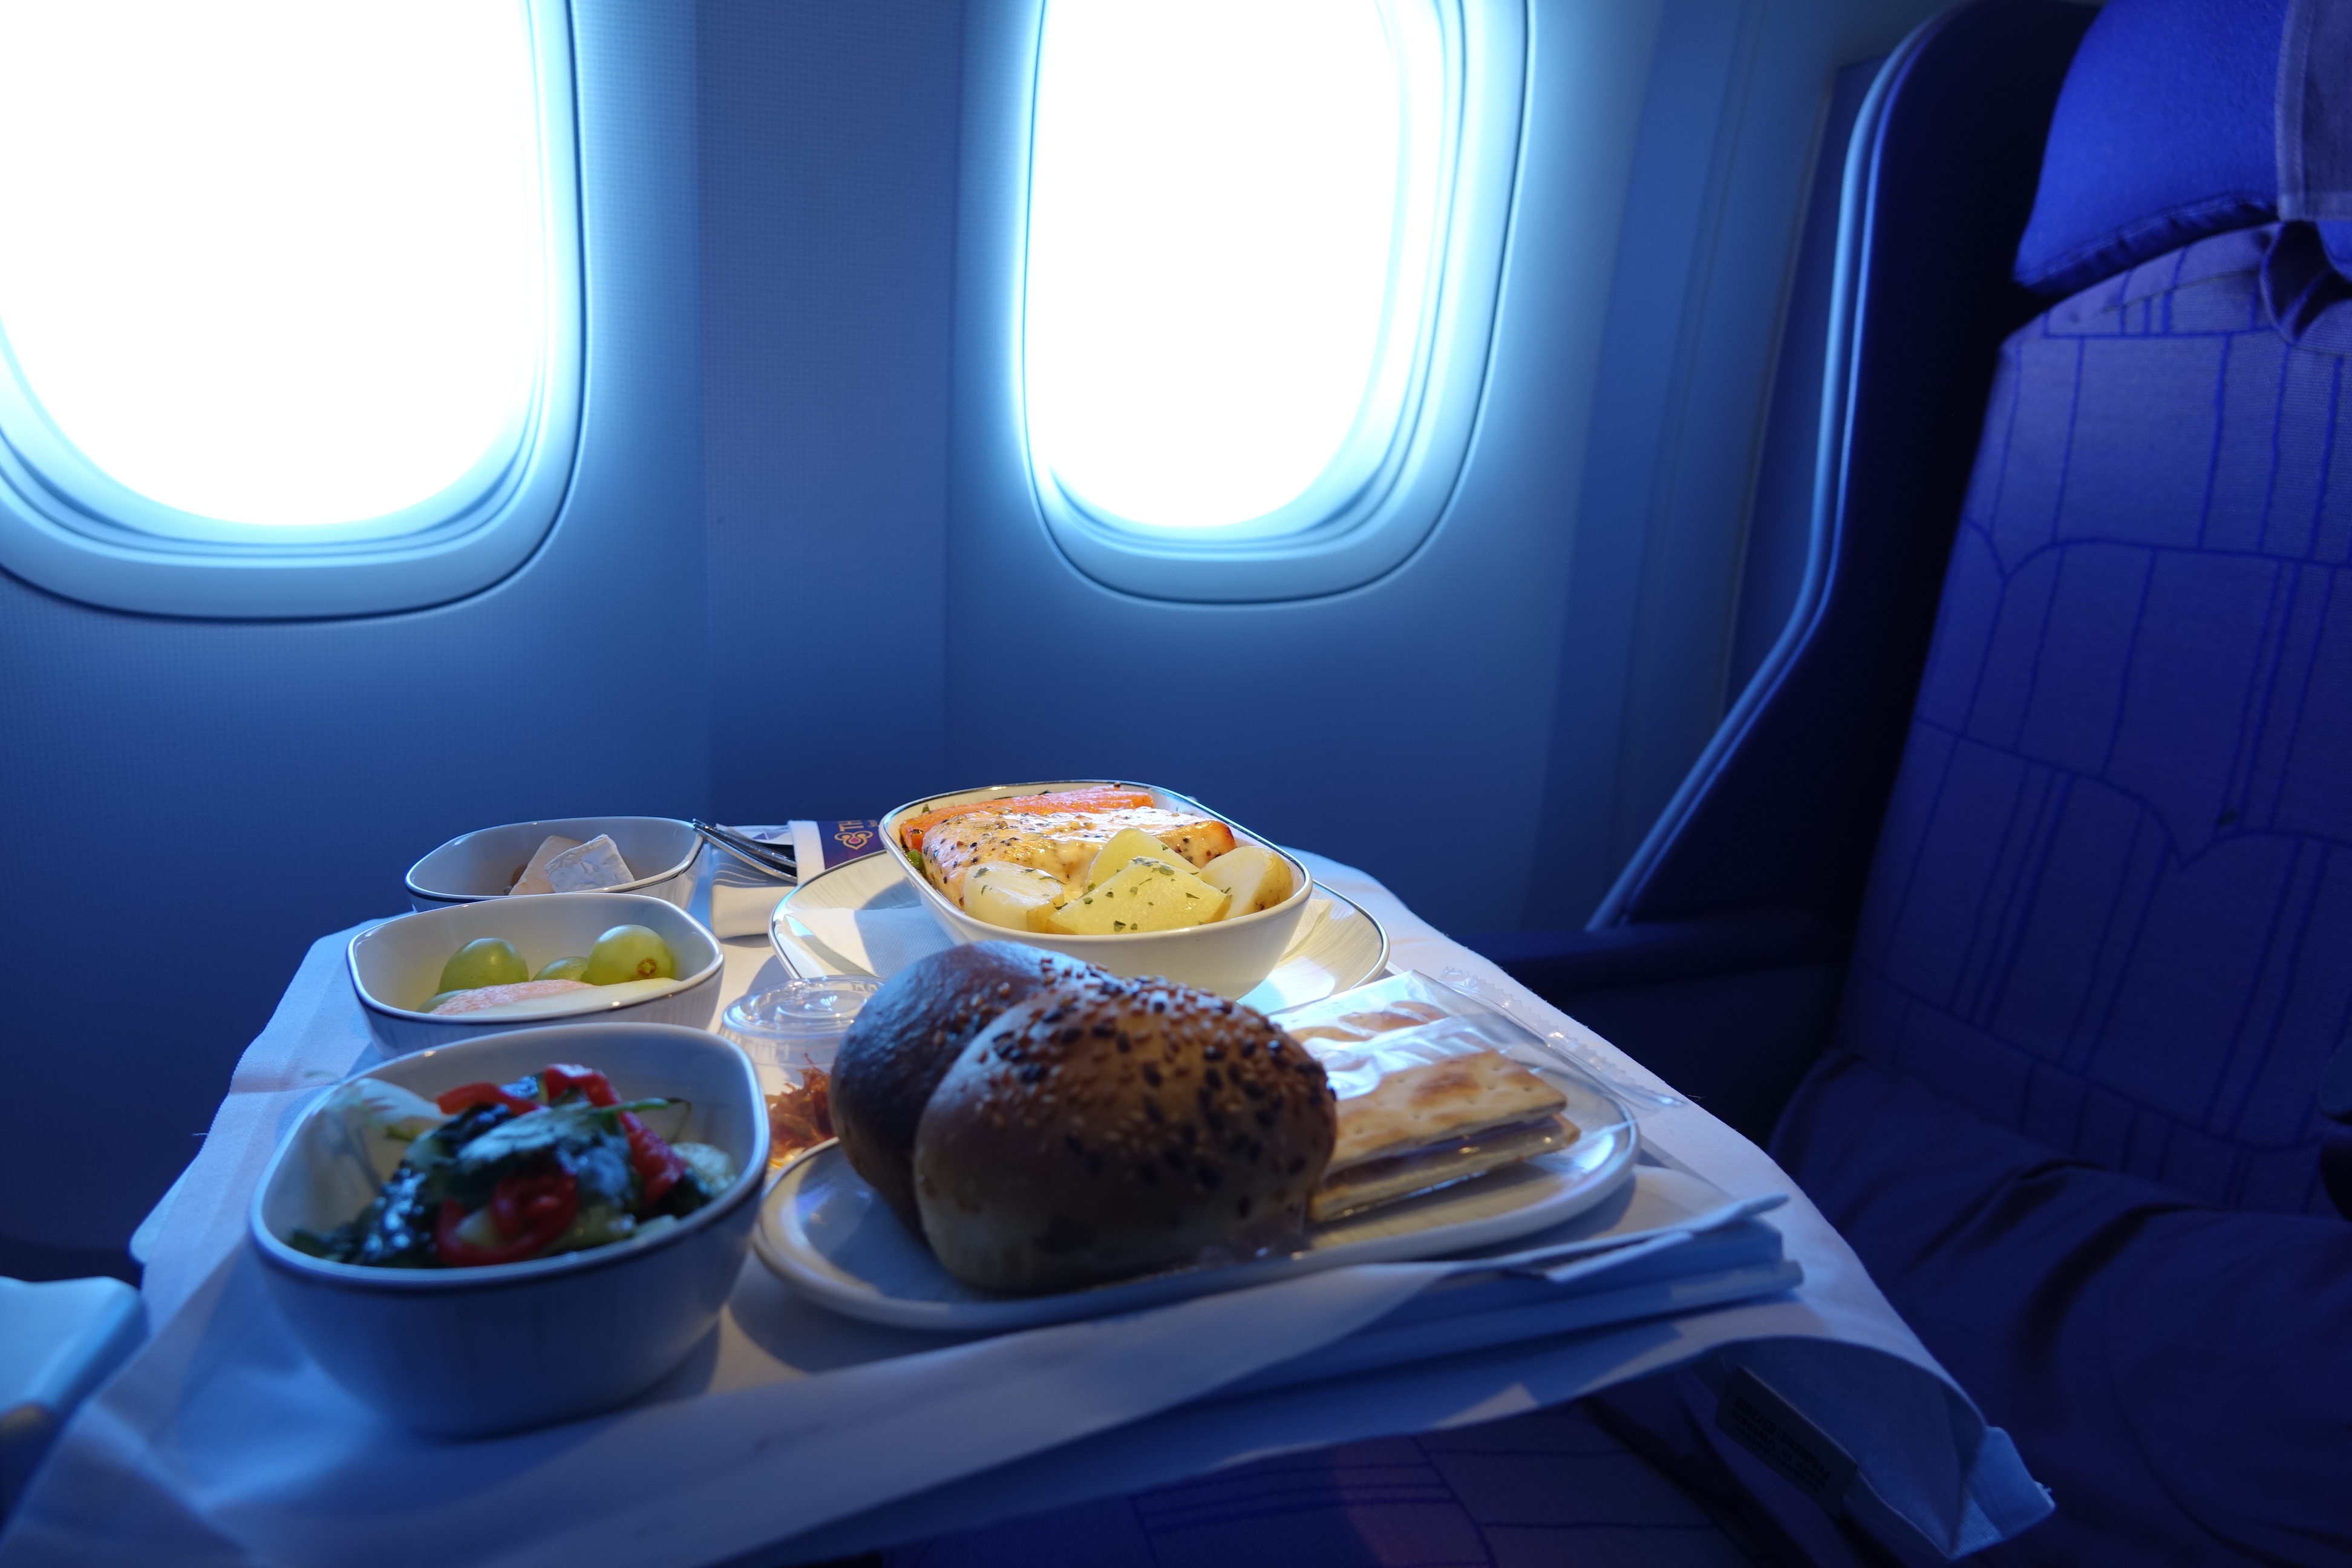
(797, 1026)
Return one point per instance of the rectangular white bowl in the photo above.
(1228, 958)
(400, 962)
(482, 864)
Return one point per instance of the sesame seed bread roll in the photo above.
(903, 1040)
(1108, 1127)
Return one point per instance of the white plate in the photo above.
(823, 1232)
(1347, 948)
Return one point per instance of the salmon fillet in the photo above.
(1061, 843)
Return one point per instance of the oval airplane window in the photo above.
(1240, 216)
(286, 286)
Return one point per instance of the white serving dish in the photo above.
(466, 1351)
(826, 1233)
(1342, 950)
(482, 865)
(1229, 958)
(400, 962)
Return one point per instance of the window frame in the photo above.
(1324, 543)
(67, 527)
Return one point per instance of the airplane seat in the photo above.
(2071, 1117)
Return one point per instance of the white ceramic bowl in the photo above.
(1228, 958)
(398, 963)
(483, 865)
(468, 1351)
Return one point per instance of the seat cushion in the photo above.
(2112, 902)
(2179, 1375)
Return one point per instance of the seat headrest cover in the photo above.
(2164, 132)
(2314, 112)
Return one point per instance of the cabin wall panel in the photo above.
(190, 803)
(1736, 94)
(829, 137)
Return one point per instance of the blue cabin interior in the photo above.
(1876, 661)
(774, 588)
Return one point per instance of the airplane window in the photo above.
(280, 282)
(1240, 216)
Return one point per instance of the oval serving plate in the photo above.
(1339, 953)
(823, 1232)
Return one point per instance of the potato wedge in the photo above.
(1007, 895)
(1124, 846)
(1146, 894)
(1255, 876)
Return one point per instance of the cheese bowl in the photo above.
(485, 863)
(396, 966)
(1229, 957)
(468, 1351)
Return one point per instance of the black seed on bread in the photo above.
(1108, 1127)
(904, 1039)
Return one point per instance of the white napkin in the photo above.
(742, 901)
(224, 1442)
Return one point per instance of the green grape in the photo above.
(629, 953)
(563, 969)
(485, 960)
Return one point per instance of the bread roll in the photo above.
(1108, 1127)
(905, 1038)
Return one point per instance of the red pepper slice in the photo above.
(529, 1209)
(658, 1166)
(559, 1079)
(466, 1096)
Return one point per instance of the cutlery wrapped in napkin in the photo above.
(743, 900)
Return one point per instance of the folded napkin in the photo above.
(742, 901)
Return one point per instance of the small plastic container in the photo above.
(795, 1026)
(791, 1033)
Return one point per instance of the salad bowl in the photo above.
(468, 1351)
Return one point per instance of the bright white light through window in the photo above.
(273, 261)
(1230, 246)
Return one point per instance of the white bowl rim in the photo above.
(685, 983)
(890, 819)
(409, 882)
(749, 1182)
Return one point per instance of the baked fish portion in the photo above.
(1062, 844)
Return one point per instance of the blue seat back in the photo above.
(2111, 906)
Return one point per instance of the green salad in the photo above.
(499, 1174)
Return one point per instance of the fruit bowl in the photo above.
(395, 966)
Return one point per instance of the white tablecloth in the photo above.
(737, 1450)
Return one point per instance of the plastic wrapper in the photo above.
(1412, 1034)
